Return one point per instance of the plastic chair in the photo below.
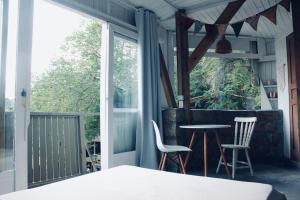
(165, 149)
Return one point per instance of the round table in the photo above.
(205, 128)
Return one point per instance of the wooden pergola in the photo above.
(186, 63)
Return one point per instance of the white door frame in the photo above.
(108, 158)
(23, 72)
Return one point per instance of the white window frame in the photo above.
(23, 76)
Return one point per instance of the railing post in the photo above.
(82, 142)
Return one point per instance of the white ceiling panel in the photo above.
(208, 11)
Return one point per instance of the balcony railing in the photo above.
(56, 148)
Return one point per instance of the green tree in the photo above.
(224, 84)
(72, 82)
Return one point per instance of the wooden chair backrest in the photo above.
(244, 127)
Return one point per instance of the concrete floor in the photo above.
(285, 179)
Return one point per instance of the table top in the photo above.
(205, 126)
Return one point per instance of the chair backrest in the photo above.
(244, 127)
(159, 143)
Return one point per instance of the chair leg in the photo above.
(249, 161)
(178, 162)
(220, 161)
(164, 162)
(181, 163)
(161, 160)
(234, 161)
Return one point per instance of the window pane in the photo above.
(8, 89)
(125, 99)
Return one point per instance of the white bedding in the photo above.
(133, 183)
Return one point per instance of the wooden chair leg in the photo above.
(164, 162)
(249, 161)
(181, 163)
(220, 162)
(190, 147)
(161, 161)
(234, 161)
(178, 163)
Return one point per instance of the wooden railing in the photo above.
(56, 148)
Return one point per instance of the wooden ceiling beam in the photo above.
(231, 9)
(165, 79)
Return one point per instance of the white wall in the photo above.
(282, 79)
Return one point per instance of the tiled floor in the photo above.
(285, 179)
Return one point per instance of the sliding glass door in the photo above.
(7, 105)
(120, 97)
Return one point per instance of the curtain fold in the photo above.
(150, 88)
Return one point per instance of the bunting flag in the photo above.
(237, 27)
(198, 26)
(253, 21)
(271, 14)
(286, 4)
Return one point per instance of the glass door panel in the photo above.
(119, 96)
(125, 96)
(7, 96)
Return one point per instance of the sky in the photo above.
(51, 24)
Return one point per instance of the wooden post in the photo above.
(293, 49)
(165, 79)
(182, 25)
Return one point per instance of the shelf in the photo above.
(270, 86)
(268, 58)
(273, 99)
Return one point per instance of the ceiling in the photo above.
(209, 10)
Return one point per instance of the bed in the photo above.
(134, 183)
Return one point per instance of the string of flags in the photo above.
(270, 13)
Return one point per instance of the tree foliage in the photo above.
(72, 82)
(224, 84)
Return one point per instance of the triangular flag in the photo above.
(237, 27)
(286, 4)
(271, 14)
(253, 21)
(188, 21)
(198, 26)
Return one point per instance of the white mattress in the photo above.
(133, 183)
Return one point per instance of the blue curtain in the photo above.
(150, 88)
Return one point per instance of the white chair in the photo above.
(165, 149)
(244, 127)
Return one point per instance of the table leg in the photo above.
(205, 153)
(190, 146)
(222, 154)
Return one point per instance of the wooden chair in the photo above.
(244, 127)
(165, 149)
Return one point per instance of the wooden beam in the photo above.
(212, 34)
(293, 49)
(203, 46)
(166, 81)
(183, 78)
